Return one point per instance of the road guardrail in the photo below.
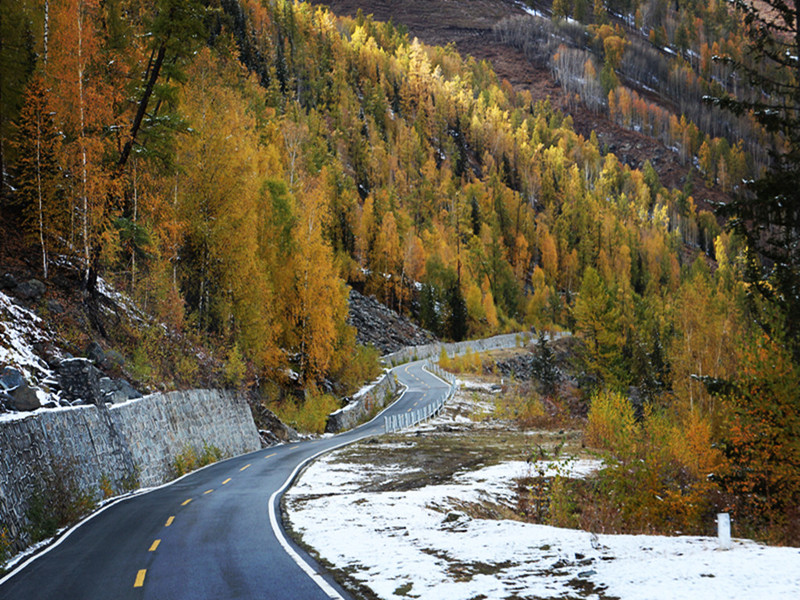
(409, 419)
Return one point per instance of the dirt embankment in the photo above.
(468, 25)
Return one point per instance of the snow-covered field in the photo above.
(421, 543)
(413, 544)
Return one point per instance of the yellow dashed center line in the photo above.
(409, 410)
(185, 502)
(245, 467)
(140, 578)
(154, 546)
(169, 522)
(226, 481)
(270, 455)
(207, 492)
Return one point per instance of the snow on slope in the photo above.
(20, 329)
(415, 544)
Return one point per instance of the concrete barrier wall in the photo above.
(134, 443)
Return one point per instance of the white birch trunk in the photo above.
(135, 215)
(46, 32)
(84, 161)
(39, 191)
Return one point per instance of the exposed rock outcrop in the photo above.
(117, 390)
(25, 398)
(83, 383)
(33, 290)
(8, 282)
(80, 381)
(270, 428)
(17, 394)
(382, 327)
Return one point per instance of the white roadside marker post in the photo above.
(724, 531)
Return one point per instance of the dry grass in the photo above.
(466, 437)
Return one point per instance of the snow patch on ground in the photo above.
(122, 302)
(530, 10)
(480, 386)
(16, 416)
(417, 544)
(341, 478)
(506, 472)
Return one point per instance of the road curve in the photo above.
(214, 534)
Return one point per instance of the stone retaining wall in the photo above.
(508, 340)
(360, 406)
(135, 442)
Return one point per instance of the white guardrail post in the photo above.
(724, 531)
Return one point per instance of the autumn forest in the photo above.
(236, 165)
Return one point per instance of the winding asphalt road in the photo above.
(214, 534)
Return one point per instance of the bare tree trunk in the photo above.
(39, 191)
(148, 92)
(82, 139)
(135, 215)
(46, 32)
(46, 41)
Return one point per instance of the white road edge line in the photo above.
(58, 542)
(315, 576)
(424, 368)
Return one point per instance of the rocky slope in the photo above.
(60, 346)
(382, 327)
(37, 369)
(52, 354)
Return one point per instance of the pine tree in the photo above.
(458, 312)
(428, 313)
(544, 365)
(767, 213)
(596, 319)
(17, 62)
(177, 28)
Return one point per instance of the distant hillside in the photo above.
(287, 152)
